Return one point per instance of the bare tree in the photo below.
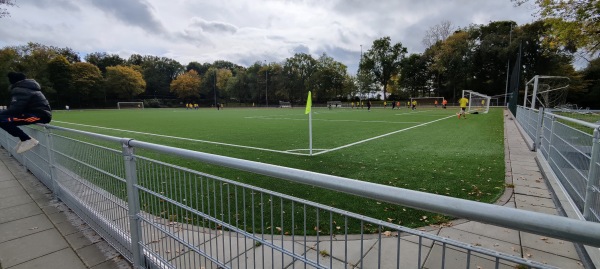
(4, 11)
(437, 33)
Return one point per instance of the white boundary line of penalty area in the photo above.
(188, 139)
(380, 136)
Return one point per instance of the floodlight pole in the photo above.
(507, 67)
(266, 85)
(215, 87)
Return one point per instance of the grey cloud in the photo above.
(65, 4)
(300, 49)
(134, 12)
(213, 26)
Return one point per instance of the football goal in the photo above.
(283, 104)
(130, 105)
(427, 101)
(478, 102)
(334, 104)
(547, 91)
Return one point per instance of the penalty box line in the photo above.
(380, 136)
(187, 139)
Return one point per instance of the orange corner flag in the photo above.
(308, 103)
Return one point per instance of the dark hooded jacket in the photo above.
(27, 98)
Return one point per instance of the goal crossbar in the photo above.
(478, 102)
(427, 100)
(547, 91)
(129, 105)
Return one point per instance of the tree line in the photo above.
(475, 58)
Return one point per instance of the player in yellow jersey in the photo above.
(463, 107)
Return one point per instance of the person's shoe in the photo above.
(18, 145)
(27, 145)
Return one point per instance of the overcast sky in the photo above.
(241, 31)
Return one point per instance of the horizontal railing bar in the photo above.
(95, 135)
(580, 122)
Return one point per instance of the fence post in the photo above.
(550, 139)
(538, 129)
(50, 147)
(133, 203)
(593, 177)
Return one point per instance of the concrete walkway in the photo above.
(38, 232)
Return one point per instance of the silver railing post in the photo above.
(593, 177)
(538, 129)
(51, 163)
(551, 138)
(133, 203)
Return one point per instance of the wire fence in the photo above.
(160, 215)
(571, 153)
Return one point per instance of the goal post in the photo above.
(427, 101)
(546, 91)
(130, 105)
(478, 102)
(283, 104)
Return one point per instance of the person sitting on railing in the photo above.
(28, 105)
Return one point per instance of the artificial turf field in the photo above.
(427, 149)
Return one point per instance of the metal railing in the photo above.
(159, 215)
(572, 154)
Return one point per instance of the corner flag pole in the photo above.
(309, 112)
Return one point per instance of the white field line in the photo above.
(380, 136)
(371, 121)
(187, 139)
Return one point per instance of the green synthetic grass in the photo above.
(458, 158)
(591, 118)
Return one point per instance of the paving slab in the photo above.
(14, 191)
(452, 258)
(83, 238)
(11, 183)
(520, 189)
(256, 256)
(491, 231)
(61, 259)
(549, 245)
(97, 253)
(481, 241)
(116, 263)
(552, 259)
(411, 255)
(24, 227)
(19, 212)
(31, 247)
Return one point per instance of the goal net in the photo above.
(477, 102)
(283, 104)
(546, 91)
(130, 105)
(427, 101)
(334, 104)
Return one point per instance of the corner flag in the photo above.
(308, 103)
(308, 108)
